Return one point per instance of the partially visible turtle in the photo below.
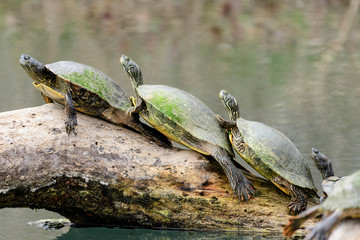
(342, 203)
(270, 153)
(324, 164)
(186, 120)
(87, 90)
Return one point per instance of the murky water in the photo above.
(277, 58)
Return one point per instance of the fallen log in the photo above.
(109, 175)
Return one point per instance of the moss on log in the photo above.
(109, 175)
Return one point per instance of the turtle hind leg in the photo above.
(71, 119)
(149, 132)
(241, 186)
(322, 229)
(298, 201)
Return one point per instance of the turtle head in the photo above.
(231, 104)
(133, 70)
(323, 163)
(36, 70)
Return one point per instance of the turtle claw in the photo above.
(241, 186)
(295, 208)
(70, 124)
(245, 190)
(130, 111)
(71, 120)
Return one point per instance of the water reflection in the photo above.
(129, 234)
(273, 56)
(14, 224)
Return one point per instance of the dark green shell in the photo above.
(345, 194)
(88, 82)
(183, 118)
(274, 151)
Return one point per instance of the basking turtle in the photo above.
(343, 202)
(270, 153)
(186, 120)
(324, 164)
(87, 90)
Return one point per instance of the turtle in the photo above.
(270, 153)
(82, 88)
(186, 120)
(342, 203)
(324, 165)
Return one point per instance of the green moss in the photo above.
(83, 78)
(83, 193)
(169, 106)
(164, 212)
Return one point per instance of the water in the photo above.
(275, 58)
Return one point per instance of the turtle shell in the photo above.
(273, 152)
(345, 194)
(183, 118)
(87, 84)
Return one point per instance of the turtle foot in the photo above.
(317, 232)
(71, 120)
(244, 189)
(241, 186)
(70, 124)
(163, 141)
(296, 208)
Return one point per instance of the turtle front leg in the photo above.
(46, 98)
(225, 123)
(71, 119)
(138, 106)
(298, 201)
(241, 186)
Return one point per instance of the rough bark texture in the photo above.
(110, 175)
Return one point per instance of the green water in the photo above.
(275, 58)
(116, 233)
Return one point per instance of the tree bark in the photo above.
(109, 175)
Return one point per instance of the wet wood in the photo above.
(109, 175)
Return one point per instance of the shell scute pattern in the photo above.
(276, 152)
(85, 78)
(345, 195)
(191, 115)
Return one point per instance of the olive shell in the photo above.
(93, 80)
(277, 153)
(177, 109)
